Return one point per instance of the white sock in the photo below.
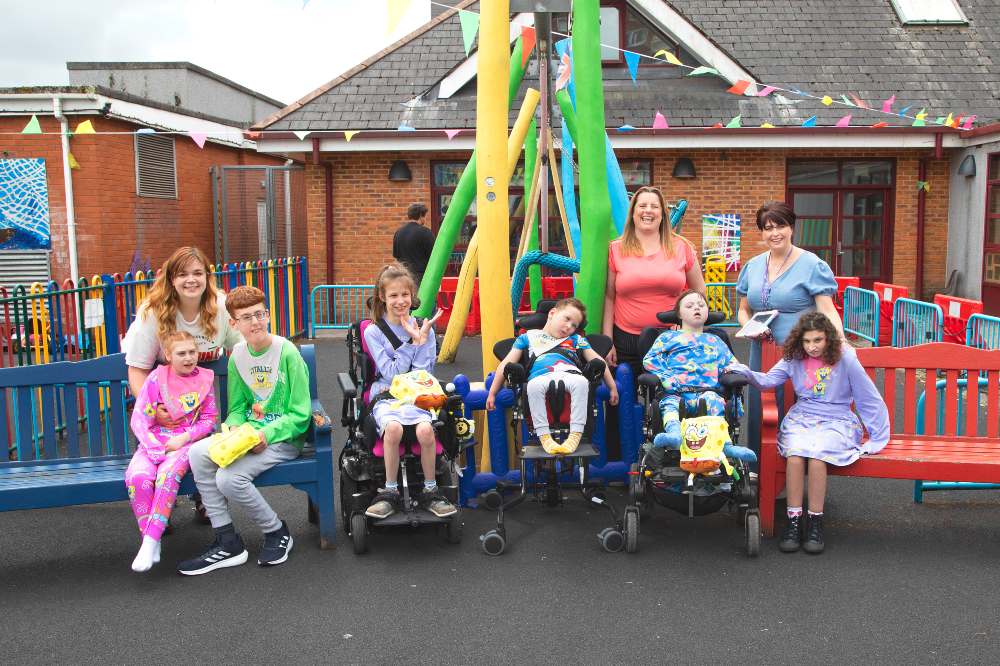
(146, 557)
(156, 553)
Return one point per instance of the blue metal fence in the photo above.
(983, 332)
(861, 313)
(336, 306)
(916, 323)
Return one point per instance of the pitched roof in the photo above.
(835, 48)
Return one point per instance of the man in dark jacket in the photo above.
(413, 242)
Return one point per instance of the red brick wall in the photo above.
(114, 226)
(368, 208)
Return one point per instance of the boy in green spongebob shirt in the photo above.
(268, 387)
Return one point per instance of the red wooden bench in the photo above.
(973, 456)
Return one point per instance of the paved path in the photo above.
(899, 583)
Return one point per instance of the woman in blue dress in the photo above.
(788, 279)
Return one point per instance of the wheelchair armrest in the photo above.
(594, 369)
(347, 385)
(649, 380)
(515, 373)
(733, 380)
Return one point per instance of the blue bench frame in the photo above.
(87, 466)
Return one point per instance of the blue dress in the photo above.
(793, 293)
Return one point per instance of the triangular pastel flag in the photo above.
(858, 102)
(625, 128)
(956, 122)
(939, 120)
(809, 122)
(887, 104)
(948, 120)
(86, 127)
(396, 9)
(565, 72)
(470, 26)
(765, 91)
(527, 43)
(669, 55)
(968, 122)
(73, 164)
(660, 122)
(349, 134)
(703, 70)
(923, 185)
(902, 112)
(781, 99)
(846, 101)
(767, 126)
(739, 87)
(301, 134)
(403, 127)
(717, 126)
(919, 122)
(827, 100)
(880, 125)
(735, 122)
(451, 133)
(198, 138)
(32, 127)
(845, 121)
(632, 60)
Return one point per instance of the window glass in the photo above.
(994, 172)
(642, 37)
(813, 232)
(994, 207)
(872, 172)
(446, 174)
(929, 11)
(993, 234)
(610, 34)
(637, 173)
(812, 173)
(862, 203)
(813, 204)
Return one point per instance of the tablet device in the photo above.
(757, 324)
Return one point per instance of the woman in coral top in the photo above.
(648, 268)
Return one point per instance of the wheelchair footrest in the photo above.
(536, 452)
(418, 516)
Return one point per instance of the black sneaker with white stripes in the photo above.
(277, 545)
(227, 551)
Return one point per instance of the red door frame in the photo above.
(888, 210)
(990, 292)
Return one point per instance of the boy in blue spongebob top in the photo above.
(688, 362)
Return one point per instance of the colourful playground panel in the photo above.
(842, 284)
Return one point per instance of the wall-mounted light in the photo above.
(399, 172)
(968, 166)
(684, 168)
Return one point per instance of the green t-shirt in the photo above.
(278, 380)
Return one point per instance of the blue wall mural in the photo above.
(24, 205)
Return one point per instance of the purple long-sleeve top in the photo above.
(390, 362)
(152, 437)
(830, 396)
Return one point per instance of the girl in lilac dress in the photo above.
(390, 306)
(820, 429)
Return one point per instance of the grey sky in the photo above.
(273, 46)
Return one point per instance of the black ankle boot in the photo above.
(814, 535)
(791, 538)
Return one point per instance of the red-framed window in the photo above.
(991, 237)
(445, 176)
(845, 210)
(623, 27)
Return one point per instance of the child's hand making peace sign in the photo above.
(418, 336)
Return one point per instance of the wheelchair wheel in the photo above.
(453, 529)
(345, 499)
(752, 527)
(492, 499)
(611, 539)
(631, 530)
(493, 543)
(359, 533)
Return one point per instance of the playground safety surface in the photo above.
(898, 583)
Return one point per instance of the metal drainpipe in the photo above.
(921, 213)
(288, 207)
(74, 267)
(328, 169)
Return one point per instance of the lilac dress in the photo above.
(821, 423)
(390, 362)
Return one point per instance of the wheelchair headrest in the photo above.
(538, 318)
(650, 333)
(601, 344)
(670, 317)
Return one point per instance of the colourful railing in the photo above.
(70, 322)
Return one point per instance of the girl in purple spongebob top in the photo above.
(160, 462)
(820, 429)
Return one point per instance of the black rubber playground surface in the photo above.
(899, 583)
